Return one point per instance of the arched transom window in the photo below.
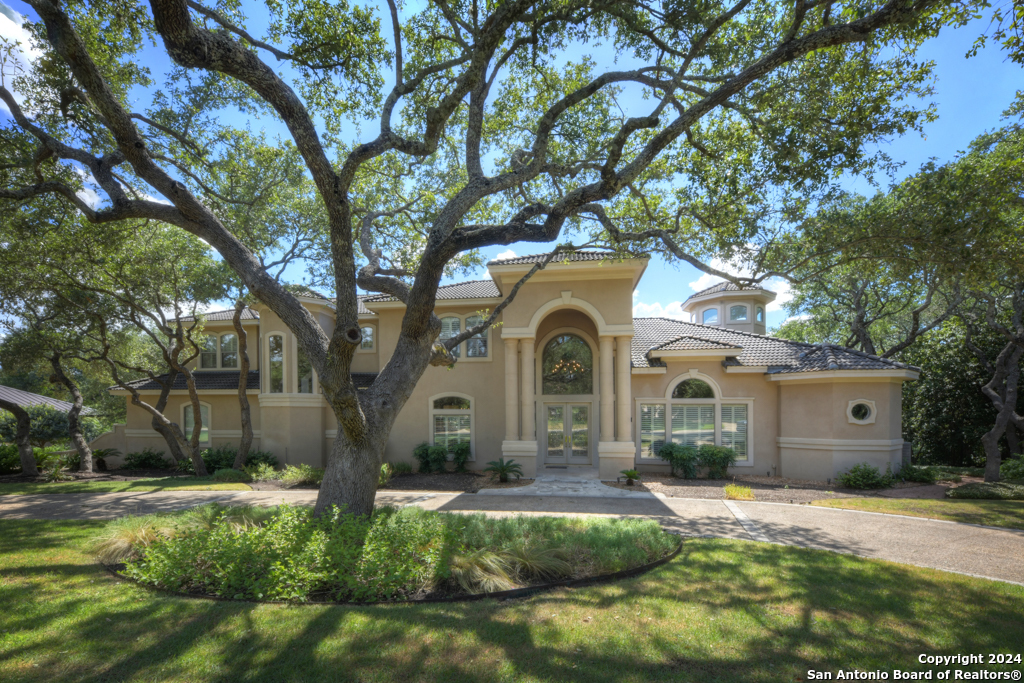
(693, 388)
(567, 366)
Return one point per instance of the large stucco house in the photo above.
(569, 378)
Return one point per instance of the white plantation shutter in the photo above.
(693, 425)
(734, 429)
(652, 429)
(449, 328)
(450, 430)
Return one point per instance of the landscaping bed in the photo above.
(769, 489)
(285, 554)
(468, 482)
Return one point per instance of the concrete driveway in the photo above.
(977, 551)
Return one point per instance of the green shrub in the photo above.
(1012, 469)
(460, 456)
(718, 460)
(262, 472)
(231, 475)
(10, 461)
(865, 476)
(923, 475)
(57, 472)
(999, 490)
(503, 468)
(401, 467)
(682, 459)
(437, 456)
(631, 476)
(146, 459)
(301, 475)
(386, 472)
(223, 457)
(422, 455)
(100, 455)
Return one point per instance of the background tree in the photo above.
(701, 129)
(20, 435)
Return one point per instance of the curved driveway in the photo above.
(979, 551)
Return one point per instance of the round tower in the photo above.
(730, 306)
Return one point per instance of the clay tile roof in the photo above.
(777, 355)
(726, 287)
(27, 398)
(216, 316)
(570, 256)
(472, 289)
(690, 343)
(210, 380)
(362, 309)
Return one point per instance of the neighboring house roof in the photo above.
(778, 355)
(27, 398)
(208, 380)
(247, 314)
(570, 256)
(472, 289)
(726, 287)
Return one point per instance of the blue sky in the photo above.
(970, 95)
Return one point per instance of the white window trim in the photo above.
(439, 411)
(209, 427)
(759, 311)
(464, 346)
(295, 354)
(746, 313)
(870, 420)
(711, 308)
(595, 369)
(717, 401)
(360, 349)
(285, 375)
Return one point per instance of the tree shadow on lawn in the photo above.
(722, 610)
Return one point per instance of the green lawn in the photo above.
(722, 611)
(1005, 513)
(134, 486)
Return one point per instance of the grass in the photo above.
(723, 610)
(134, 485)
(737, 492)
(1002, 513)
(997, 490)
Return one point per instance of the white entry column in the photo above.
(512, 390)
(520, 443)
(623, 389)
(607, 389)
(616, 450)
(529, 390)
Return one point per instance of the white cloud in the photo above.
(12, 32)
(782, 289)
(505, 255)
(656, 310)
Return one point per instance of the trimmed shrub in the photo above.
(999, 490)
(682, 459)
(422, 455)
(718, 460)
(231, 475)
(1012, 469)
(301, 475)
(865, 476)
(460, 456)
(146, 459)
(437, 456)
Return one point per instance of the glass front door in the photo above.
(568, 433)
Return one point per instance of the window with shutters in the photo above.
(652, 429)
(476, 346)
(451, 421)
(693, 425)
(734, 429)
(450, 327)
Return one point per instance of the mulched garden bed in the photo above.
(466, 482)
(767, 489)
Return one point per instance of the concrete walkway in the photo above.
(977, 551)
(573, 482)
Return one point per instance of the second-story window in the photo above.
(476, 346)
(367, 343)
(208, 353)
(760, 314)
(276, 349)
(710, 317)
(450, 327)
(228, 351)
(738, 313)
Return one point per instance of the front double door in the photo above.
(568, 433)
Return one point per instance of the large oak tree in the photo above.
(687, 127)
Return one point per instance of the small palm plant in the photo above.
(631, 476)
(503, 468)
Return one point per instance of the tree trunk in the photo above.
(158, 426)
(350, 480)
(1002, 391)
(243, 384)
(74, 425)
(1013, 441)
(21, 437)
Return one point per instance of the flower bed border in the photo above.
(524, 592)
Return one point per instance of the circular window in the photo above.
(861, 411)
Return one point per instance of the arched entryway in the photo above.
(567, 396)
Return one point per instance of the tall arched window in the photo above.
(275, 344)
(567, 366)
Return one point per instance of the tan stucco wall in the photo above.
(612, 296)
